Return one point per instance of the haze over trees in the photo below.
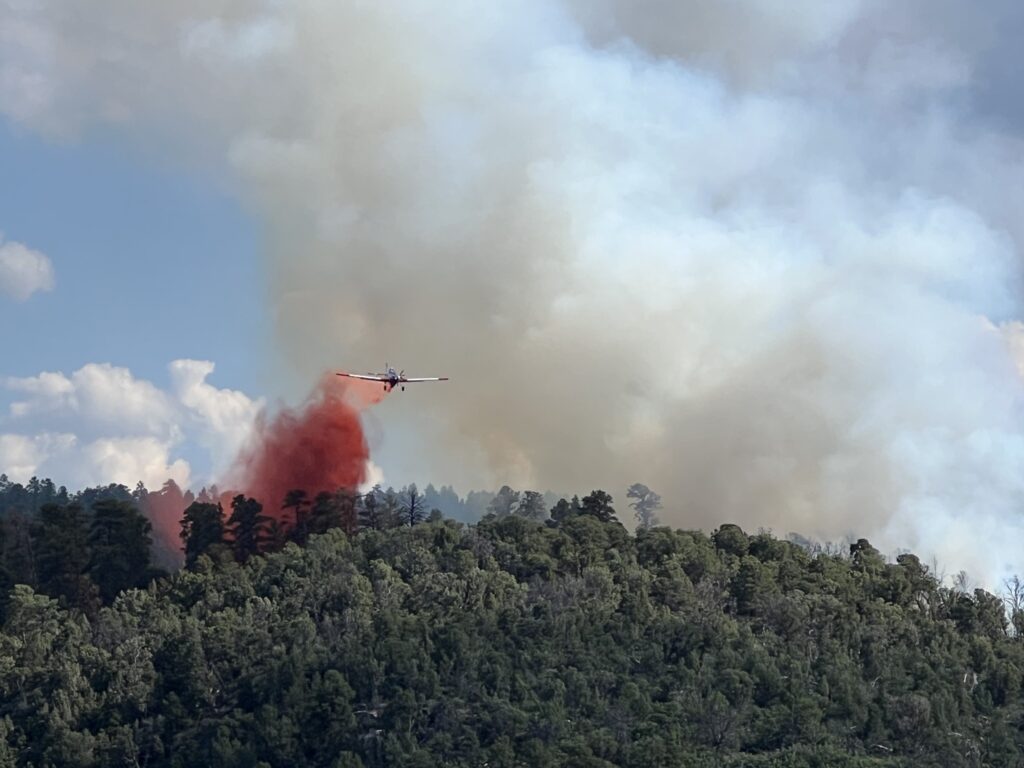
(369, 631)
(645, 504)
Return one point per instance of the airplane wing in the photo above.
(434, 378)
(367, 377)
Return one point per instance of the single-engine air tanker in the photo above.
(391, 378)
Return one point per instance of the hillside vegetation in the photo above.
(518, 642)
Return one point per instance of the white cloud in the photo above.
(129, 460)
(112, 397)
(98, 397)
(49, 391)
(103, 424)
(69, 461)
(23, 271)
(225, 416)
(21, 456)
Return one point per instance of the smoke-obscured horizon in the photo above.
(762, 256)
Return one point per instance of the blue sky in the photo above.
(151, 264)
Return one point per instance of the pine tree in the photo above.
(61, 546)
(645, 505)
(202, 527)
(325, 514)
(6, 580)
(19, 548)
(531, 506)
(120, 541)
(297, 501)
(598, 504)
(504, 503)
(35, 493)
(411, 501)
(563, 509)
(372, 512)
(247, 526)
(276, 536)
(348, 511)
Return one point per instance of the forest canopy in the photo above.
(373, 631)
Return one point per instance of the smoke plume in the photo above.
(761, 256)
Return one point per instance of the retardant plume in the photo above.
(318, 446)
(164, 508)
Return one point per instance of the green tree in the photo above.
(391, 508)
(504, 502)
(276, 534)
(413, 510)
(531, 506)
(297, 501)
(325, 514)
(563, 509)
(347, 503)
(202, 528)
(119, 543)
(61, 547)
(510, 643)
(373, 512)
(247, 527)
(18, 548)
(6, 580)
(598, 504)
(731, 538)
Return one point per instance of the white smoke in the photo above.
(762, 256)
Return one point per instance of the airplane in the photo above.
(391, 378)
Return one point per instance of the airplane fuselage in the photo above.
(390, 378)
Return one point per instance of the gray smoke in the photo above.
(762, 256)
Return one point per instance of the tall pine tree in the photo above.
(202, 528)
(247, 526)
(61, 546)
(120, 541)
